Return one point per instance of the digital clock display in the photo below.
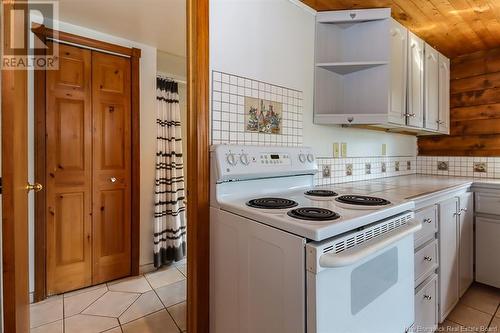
(275, 157)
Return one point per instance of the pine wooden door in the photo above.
(111, 166)
(69, 171)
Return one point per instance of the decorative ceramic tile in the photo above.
(408, 165)
(442, 166)
(480, 167)
(368, 169)
(396, 166)
(383, 168)
(326, 171)
(246, 111)
(348, 169)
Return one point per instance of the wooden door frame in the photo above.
(44, 33)
(198, 167)
(14, 104)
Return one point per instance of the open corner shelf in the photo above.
(343, 68)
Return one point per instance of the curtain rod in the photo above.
(171, 77)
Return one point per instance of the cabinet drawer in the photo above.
(426, 261)
(428, 217)
(426, 317)
(488, 203)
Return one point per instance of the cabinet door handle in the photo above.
(427, 220)
(427, 258)
(410, 115)
(427, 297)
(463, 209)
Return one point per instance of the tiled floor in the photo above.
(477, 311)
(154, 302)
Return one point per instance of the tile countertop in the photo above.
(414, 187)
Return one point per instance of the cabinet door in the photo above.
(466, 242)
(487, 250)
(431, 87)
(415, 113)
(448, 256)
(399, 51)
(444, 94)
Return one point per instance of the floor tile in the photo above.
(164, 277)
(183, 269)
(495, 325)
(482, 298)
(178, 312)
(135, 284)
(449, 326)
(55, 327)
(111, 304)
(84, 290)
(146, 304)
(498, 313)
(46, 311)
(113, 330)
(469, 317)
(173, 293)
(75, 304)
(89, 324)
(158, 322)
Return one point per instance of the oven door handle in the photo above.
(357, 253)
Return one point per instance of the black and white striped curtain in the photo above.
(170, 220)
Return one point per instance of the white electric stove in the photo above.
(290, 257)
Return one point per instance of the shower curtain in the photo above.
(169, 220)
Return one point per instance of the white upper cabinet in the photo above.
(444, 95)
(398, 64)
(369, 70)
(415, 112)
(431, 84)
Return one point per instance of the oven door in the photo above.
(366, 289)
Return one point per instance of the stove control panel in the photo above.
(235, 162)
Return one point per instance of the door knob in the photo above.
(112, 179)
(34, 187)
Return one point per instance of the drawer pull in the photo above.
(427, 297)
(427, 220)
(427, 258)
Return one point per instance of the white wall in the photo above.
(273, 41)
(147, 137)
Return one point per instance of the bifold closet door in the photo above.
(69, 171)
(111, 166)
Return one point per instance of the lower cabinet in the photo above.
(448, 254)
(426, 306)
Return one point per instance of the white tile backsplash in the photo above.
(228, 111)
(459, 166)
(338, 167)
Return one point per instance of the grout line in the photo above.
(128, 307)
(493, 317)
(98, 298)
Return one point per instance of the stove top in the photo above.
(271, 203)
(313, 214)
(362, 200)
(321, 193)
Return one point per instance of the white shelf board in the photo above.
(349, 67)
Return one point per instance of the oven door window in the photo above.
(372, 279)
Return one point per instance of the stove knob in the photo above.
(302, 158)
(310, 158)
(231, 159)
(244, 159)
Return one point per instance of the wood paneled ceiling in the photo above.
(454, 27)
